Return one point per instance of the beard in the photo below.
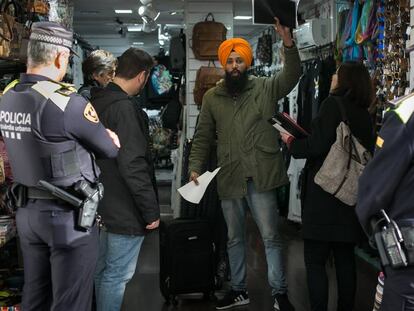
(235, 81)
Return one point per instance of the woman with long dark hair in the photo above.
(330, 226)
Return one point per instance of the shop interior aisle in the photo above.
(143, 293)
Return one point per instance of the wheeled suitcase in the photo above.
(186, 258)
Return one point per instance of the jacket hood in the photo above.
(102, 98)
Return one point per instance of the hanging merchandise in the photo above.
(343, 26)
(161, 79)
(207, 37)
(11, 29)
(177, 53)
(38, 7)
(392, 60)
(207, 77)
(365, 31)
(264, 51)
(61, 11)
(352, 51)
(314, 86)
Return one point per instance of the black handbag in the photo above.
(264, 51)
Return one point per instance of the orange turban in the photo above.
(237, 45)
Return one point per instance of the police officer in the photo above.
(53, 134)
(388, 183)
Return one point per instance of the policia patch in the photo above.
(90, 114)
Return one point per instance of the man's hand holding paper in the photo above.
(195, 189)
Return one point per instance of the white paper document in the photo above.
(193, 193)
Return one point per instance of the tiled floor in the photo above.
(143, 291)
(142, 294)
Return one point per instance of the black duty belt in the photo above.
(39, 194)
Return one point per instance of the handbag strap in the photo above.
(209, 15)
(341, 107)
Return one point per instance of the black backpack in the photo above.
(177, 53)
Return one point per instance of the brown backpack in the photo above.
(207, 77)
(207, 37)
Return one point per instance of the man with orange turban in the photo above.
(235, 112)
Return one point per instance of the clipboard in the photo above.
(264, 12)
(284, 123)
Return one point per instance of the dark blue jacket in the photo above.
(51, 132)
(388, 180)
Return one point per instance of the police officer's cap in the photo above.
(53, 33)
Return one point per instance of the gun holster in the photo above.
(88, 210)
(16, 196)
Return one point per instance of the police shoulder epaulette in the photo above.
(49, 90)
(405, 108)
(10, 85)
(67, 89)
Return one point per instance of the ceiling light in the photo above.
(242, 17)
(123, 11)
(148, 11)
(173, 13)
(135, 28)
(149, 26)
(138, 43)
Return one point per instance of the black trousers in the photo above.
(316, 256)
(398, 290)
(59, 261)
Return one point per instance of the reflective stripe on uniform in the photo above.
(48, 90)
(10, 85)
(405, 109)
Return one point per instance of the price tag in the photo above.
(392, 89)
(390, 48)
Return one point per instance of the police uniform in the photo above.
(52, 133)
(388, 183)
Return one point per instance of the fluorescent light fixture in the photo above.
(134, 28)
(138, 43)
(242, 17)
(173, 13)
(123, 11)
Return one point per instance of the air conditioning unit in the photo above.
(314, 32)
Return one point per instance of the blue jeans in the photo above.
(118, 255)
(263, 207)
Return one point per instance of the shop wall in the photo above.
(194, 13)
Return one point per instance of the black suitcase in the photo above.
(186, 258)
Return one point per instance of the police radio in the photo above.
(389, 242)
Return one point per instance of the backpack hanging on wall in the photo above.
(161, 79)
(206, 78)
(264, 51)
(207, 37)
(177, 53)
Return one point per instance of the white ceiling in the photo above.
(96, 22)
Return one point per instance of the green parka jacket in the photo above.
(247, 144)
